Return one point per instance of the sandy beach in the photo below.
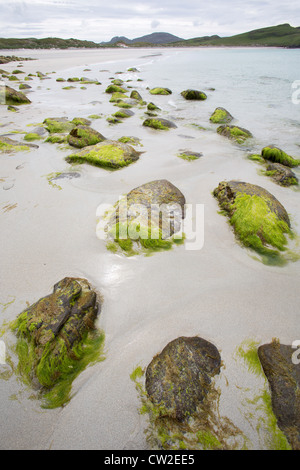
(48, 231)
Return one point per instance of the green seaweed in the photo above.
(266, 421)
(107, 156)
(155, 124)
(257, 227)
(279, 156)
(160, 91)
(32, 136)
(148, 240)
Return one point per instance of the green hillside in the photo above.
(275, 36)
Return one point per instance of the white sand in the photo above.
(219, 293)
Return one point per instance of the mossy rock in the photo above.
(52, 338)
(109, 154)
(221, 116)
(194, 95)
(8, 145)
(117, 97)
(123, 114)
(284, 380)
(24, 86)
(152, 107)
(153, 213)
(32, 136)
(259, 220)
(238, 134)
(15, 97)
(160, 91)
(115, 89)
(134, 95)
(179, 378)
(58, 125)
(281, 174)
(83, 136)
(159, 124)
(277, 155)
(79, 121)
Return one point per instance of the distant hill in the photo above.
(154, 38)
(282, 35)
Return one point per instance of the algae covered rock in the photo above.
(146, 219)
(83, 136)
(284, 379)
(8, 145)
(277, 155)
(60, 125)
(134, 95)
(221, 116)
(15, 97)
(55, 336)
(179, 378)
(281, 174)
(159, 124)
(108, 154)
(194, 95)
(190, 155)
(259, 220)
(238, 134)
(160, 91)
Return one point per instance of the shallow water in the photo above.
(220, 292)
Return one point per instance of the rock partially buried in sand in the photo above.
(60, 125)
(238, 134)
(194, 95)
(258, 218)
(15, 97)
(109, 154)
(83, 136)
(284, 379)
(160, 91)
(221, 116)
(146, 219)
(190, 155)
(276, 155)
(55, 335)
(159, 124)
(9, 145)
(282, 175)
(179, 378)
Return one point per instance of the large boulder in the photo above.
(109, 154)
(179, 378)
(147, 216)
(258, 218)
(82, 136)
(284, 379)
(52, 332)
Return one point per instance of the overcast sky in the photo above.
(100, 20)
